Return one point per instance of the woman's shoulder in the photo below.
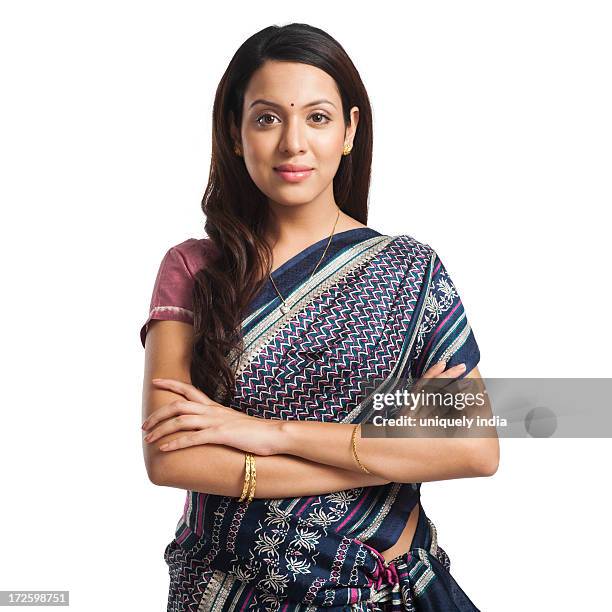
(410, 244)
(193, 252)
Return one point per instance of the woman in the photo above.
(260, 344)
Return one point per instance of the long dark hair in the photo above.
(237, 214)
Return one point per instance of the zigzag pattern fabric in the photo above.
(381, 307)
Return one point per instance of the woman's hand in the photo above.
(437, 383)
(206, 422)
(437, 371)
(445, 381)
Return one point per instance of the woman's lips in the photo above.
(294, 177)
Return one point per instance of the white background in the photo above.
(492, 143)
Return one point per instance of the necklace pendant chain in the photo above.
(286, 306)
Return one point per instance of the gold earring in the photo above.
(347, 149)
(237, 150)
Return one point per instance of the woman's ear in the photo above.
(352, 128)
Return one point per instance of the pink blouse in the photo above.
(172, 291)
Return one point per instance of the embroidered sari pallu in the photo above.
(378, 307)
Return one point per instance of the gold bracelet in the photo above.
(354, 445)
(253, 481)
(247, 476)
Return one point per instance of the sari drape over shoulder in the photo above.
(378, 307)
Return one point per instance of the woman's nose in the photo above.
(293, 140)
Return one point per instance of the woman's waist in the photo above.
(365, 513)
(373, 515)
(319, 571)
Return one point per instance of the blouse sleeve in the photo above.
(172, 291)
(444, 332)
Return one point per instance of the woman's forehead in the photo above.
(291, 83)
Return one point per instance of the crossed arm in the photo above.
(301, 457)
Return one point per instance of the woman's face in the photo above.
(281, 125)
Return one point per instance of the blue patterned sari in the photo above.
(378, 306)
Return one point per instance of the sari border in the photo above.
(217, 592)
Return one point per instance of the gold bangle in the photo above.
(253, 481)
(354, 445)
(247, 476)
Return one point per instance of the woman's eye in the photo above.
(320, 115)
(265, 122)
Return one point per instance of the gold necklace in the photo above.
(286, 306)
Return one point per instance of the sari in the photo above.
(378, 306)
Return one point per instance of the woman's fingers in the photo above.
(171, 409)
(438, 371)
(178, 386)
(182, 422)
(191, 394)
(434, 370)
(194, 439)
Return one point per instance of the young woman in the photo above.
(260, 342)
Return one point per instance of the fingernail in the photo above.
(462, 366)
(145, 424)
